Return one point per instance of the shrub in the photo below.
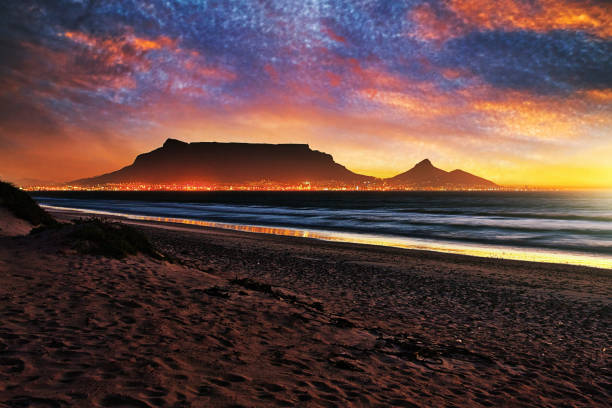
(112, 239)
(253, 285)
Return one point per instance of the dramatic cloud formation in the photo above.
(517, 90)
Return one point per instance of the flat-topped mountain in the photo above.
(426, 175)
(225, 164)
(178, 162)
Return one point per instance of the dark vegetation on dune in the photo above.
(23, 206)
(95, 236)
(252, 284)
(89, 236)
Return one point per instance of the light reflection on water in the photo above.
(487, 251)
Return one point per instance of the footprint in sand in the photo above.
(11, 365)
(235, 378)
(324, 387)
(206, 390)
(29, 401)
(220, 382)
(273, 387)
(71, 376)
(123, 401)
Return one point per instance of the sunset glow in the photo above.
(517, 91)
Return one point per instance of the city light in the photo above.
(262, 186)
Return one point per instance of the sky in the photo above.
(517, 91)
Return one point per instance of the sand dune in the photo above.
(251, 320)
(11, 226)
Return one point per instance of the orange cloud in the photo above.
(127, 49)
(116, 45)
(204, 72)
(334, 79)
(521, 118)
(311, 81)
(488, 113)
(429, 26)
(540, 16)
(271, 72)
(601, 95)
(333, 35)
(413, 104)
(356, 74)
(523, 115)
(62, 68)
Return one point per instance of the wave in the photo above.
(557, 222)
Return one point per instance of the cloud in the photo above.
(553, 62)
(447, 19)
(434, 24)
(540, 16)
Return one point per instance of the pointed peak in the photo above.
(424, 163)
(173, 142)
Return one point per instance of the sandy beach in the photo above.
(249, 320)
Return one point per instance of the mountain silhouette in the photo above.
(178, 162)
(426, 175)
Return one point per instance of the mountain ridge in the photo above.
(220, 163)
(425, 174)
(216, 162)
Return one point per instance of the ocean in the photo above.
(564, 227)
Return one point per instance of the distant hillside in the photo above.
(225, 163)
(426, 175)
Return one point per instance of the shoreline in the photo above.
(245, 319)
(472, 250)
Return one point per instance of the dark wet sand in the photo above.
(338, 325)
